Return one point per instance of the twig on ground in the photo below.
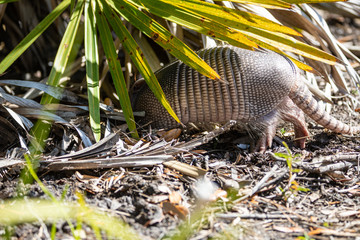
(325, 164)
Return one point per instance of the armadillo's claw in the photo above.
(267, 124)
(267, 131)
(265, 141)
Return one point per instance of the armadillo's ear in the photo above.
(135, 88)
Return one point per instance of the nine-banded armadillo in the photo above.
(262, 87)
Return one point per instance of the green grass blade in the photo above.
(32, 36)
(115, 69)
(32, 210)
(92, 69)
(136, 56)
(72, 5)
(163, 37)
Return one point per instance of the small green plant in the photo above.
(290, 159)
(282, 131)
(305, 237)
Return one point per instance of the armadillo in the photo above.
(262, 87)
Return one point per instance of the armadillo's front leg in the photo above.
(266, 129)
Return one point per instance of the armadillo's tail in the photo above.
(303, 98)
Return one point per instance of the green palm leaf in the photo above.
(203, 18)
(237, 19)
(115, 68)
(200, 23)
(137, 57)
(163, 37)
(41, 129)
(63, 53)
(92, 69)
(266, 4)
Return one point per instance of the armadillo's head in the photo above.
(145, 102)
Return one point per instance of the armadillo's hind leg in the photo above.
(267, 124)
(291, 113)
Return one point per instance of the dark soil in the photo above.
(277, 211)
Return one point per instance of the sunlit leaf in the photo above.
(163, 37)
(186, 16)
(196, 22)
(62, 55)
(232, 17)
(266, 4)
(301, 65)
(288, 43)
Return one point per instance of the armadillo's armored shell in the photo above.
(257, 82)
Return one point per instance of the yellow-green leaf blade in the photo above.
(163, 37)
(197, 22)
(32, 36)
(232, 17)
(301, 65)
(137, 57)
(115, 69)
(32, 210)
(311, 1)
(266, 4)
(92, 69)
(288, 43)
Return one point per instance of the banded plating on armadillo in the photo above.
(251, 92)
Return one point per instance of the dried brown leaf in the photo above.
(170, 135)
(175, 197)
